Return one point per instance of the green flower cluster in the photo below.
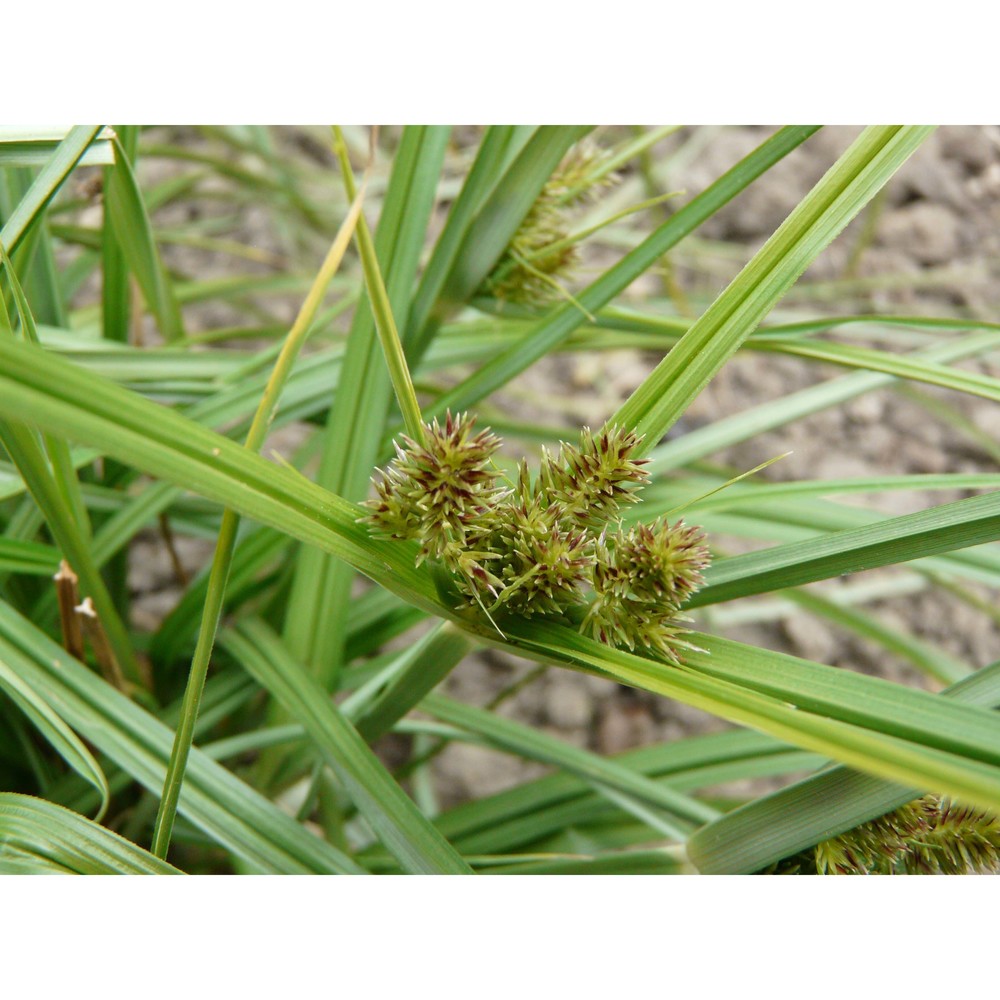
(541, 252)
(930, 836)
(641, 579)
(444, 494)
(546, 546)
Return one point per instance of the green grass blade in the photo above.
(116, 293)
(227, 809)
(775, 413)
(134, 233)
(504, 210)
(663, 496)
(222, 559)
(257, 549)
(652, 862)
(850, 356)
(62, 399)
(717, 335)
(62, 739)
(893, 540)
(809, 521)
(56, 492)
(318, 609)
(889, 756)
(385, 324)
(40, 837)
(63, 470)
(411, 676)
(512, 819)
(40, 277)
(933, 661)
(485, 170)
(851, 697)
(417, 845)
(70, 401)
(59, 166)
(33, 146)
(27, 454)
(602, 773)
(32, 558)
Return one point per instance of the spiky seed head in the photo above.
(441, 492)
(545, 563)
(656, 628)
(661, 561)
(930, 836)
(641, 578)
(594, 480)
(529, 271)
(537, 548)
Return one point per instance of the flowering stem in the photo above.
(222, 560)
(385, 324)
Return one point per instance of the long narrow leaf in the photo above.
(227, 809)
(134, 233)
(39, 837)
(48, 722)
(419, 847)
(894, 540)
(820, 807)
(62, 161)
(820, 216)
(556, 328)
(505, 208)
(490, 158)
(316, 624)
(177, 448)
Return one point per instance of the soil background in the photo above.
(929, 246)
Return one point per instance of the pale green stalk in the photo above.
(385, 324)
(219, 574)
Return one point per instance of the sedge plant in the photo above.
(405, 531)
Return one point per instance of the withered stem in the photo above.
(180, 573)
(68, 595)
(110, 669)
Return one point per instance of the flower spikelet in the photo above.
(641, 579)
(440, 493)
(662, 562)
(931, 836)
(545, 561)
(546, 546)
(595, 479)
(540, 253)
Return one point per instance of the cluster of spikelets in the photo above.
(930, 836)
(541, 254)
(548, 546)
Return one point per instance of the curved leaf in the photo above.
(41, 838)
(48, 722)
(420, 848)
(845, 189)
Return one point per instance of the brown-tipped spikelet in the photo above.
(594, 480)
(641, 579)
(541, 253)
(662, 561)
(543, 546)
(545, 561)
(930, 836)
(441, 493)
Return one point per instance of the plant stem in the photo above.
(222, 560)
(385, 324)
